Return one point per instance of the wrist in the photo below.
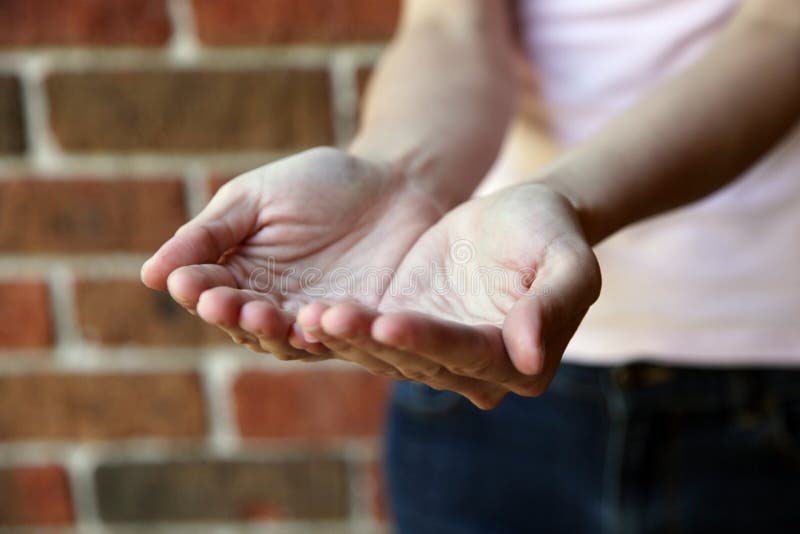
(423, 168)
(586, 193)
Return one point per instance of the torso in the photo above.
(716, 283)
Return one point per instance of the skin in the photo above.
(308, 214)
(489, 339)
(438, 135)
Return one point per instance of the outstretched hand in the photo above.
(324, 254)
(483, 304)
(274, 238)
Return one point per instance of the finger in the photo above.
(489, 396)
(271, 327)
(186, 284)
(539, 326)
(310, 318)
(353, 324)
(221, 306)
(473, 351)
(223, 224)
(299, 341)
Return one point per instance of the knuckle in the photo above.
(533, 388)
(480, 367)
(490, 404)
(415, 374)
(485, 400)
(390, 372)
(439, 374)
(460, 370)
(439, 378)
(225, 189)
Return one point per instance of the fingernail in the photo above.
(302, 334)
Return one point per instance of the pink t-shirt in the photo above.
(713, 283)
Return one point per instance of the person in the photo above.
(676, 406)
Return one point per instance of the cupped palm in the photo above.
(303, 228)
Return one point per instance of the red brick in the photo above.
(35, 495)
(309, 405)
(25, 315)
(117, 312)
(248, 22)
(312, 488)
(190, 111)
(81, 406)
(12, 128)
(379, 500)
(88, 216)
(83, 22)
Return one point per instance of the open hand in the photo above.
(483, 304)
(270, 240)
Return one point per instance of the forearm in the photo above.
(441, 99)
(694, 133)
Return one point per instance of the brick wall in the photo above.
(119, 411)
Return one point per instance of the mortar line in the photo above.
(64, 314)
(43, 153)
(183, 45)
(218, 375)
(80, 463)
(344, 97)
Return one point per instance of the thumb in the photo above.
(223, 224)
(541, 323)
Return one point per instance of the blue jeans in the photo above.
(633, 449)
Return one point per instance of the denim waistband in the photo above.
(680, 388)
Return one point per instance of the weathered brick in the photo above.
(83, 22)
(310, 404)
(12, 129)
(187, 111)
(247, 22)
(117, 311)
(101, 406)
(35, 495)
(25, 320)
(86, 216)
(223, 490)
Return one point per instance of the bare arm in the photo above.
(442, 96)
(690, 136)
(696, 132)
